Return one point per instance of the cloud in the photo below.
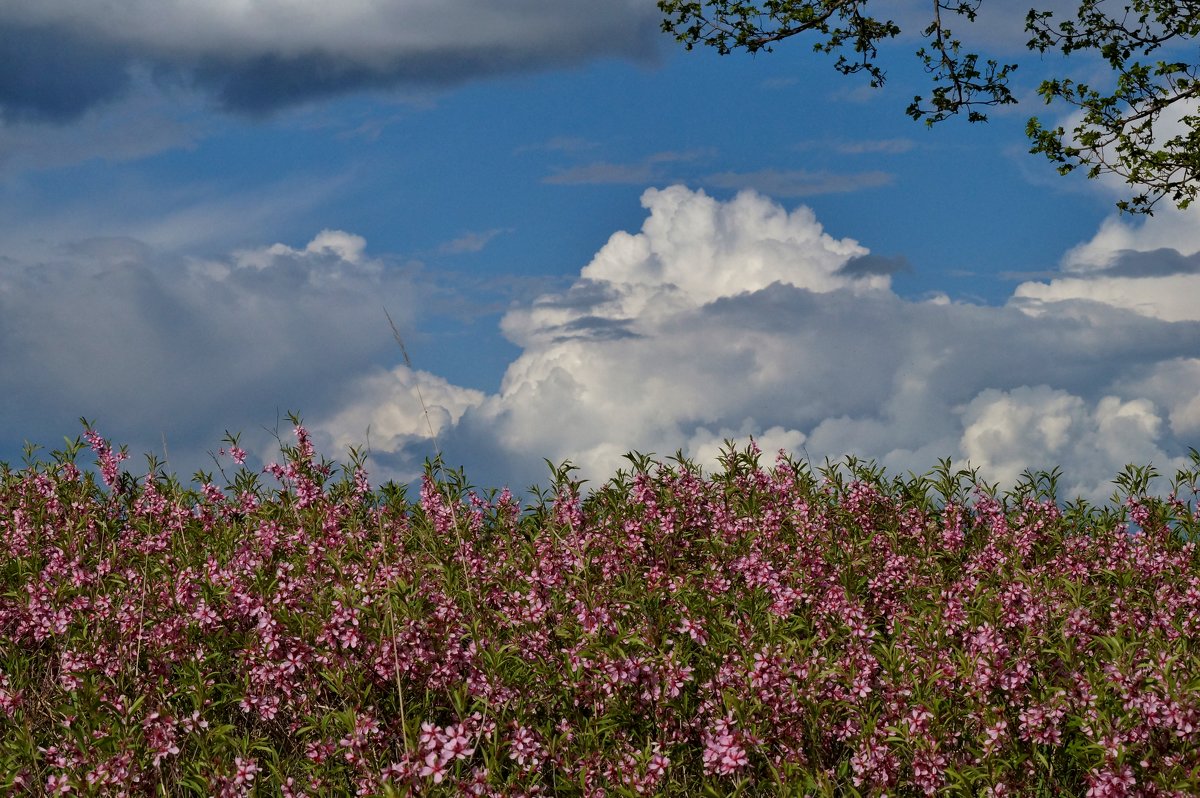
(726, 319)
(892, 146)
(1170, 298)
(56, 75)
(1146, 264)
(638, 173)
(61, 57)
(1161, 262)
(142, 123)
(714, 320)
(1151, 267)
(473, 241)
(395, 410)
(1036, 428)
(863, 265)
(189, 218)
(145, 343)
(886, 146)
(602, 173)
(1168, 229)
(559, 144)
(1175, 386)
(798, 183)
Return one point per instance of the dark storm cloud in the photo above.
(271, 81)
(58, 58)
(53, 75)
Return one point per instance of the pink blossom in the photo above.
(525, 746)
(724, 753)
(1110, 784)
(694, 630)
(58, 784)
(244, 771)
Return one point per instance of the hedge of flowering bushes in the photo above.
(757, 631)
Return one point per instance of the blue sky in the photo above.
(591, 240)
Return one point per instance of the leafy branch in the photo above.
(1144, 128)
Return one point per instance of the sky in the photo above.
(590, 241)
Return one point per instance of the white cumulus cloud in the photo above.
(716, 319)
(1170, 298)
(1149, 266)
(1037, 428)
(725, 319)
(1169, 228)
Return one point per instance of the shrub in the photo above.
(758, 631)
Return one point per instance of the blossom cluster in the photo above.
(765, 629)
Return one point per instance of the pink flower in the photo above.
(160, 736)
(318, 753)
(290, 790)
(58, 785)
(693, 630)
(434, 768)
(457, 743)
(524, 746)
(10, 700)
(929, 768)
(723, 751)
(109, 461)
(205, 615)
(191, 724)
(1110, 784)
(246, 769)
(994, 734)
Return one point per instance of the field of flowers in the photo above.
(763, 630)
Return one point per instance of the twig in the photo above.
(449, 501)
(416, 383)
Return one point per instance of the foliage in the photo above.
(759, 631)
(1119, 129)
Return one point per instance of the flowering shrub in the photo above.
(759, 631)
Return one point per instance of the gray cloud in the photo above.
(582, 295)
(593, 328)
(1119, 235)
(1161, 283)
(886, 146)
(798, 182)
(60, 57)
(568, 144)
(601, 173)
(51, 74)
(895, 146)
(473, 241)
(875, 264)
(146, 344)
(1161, 262)
(648, 170)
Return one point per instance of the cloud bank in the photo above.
(163, 350)
(717, 319)
(61, 57)
(729, 319)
